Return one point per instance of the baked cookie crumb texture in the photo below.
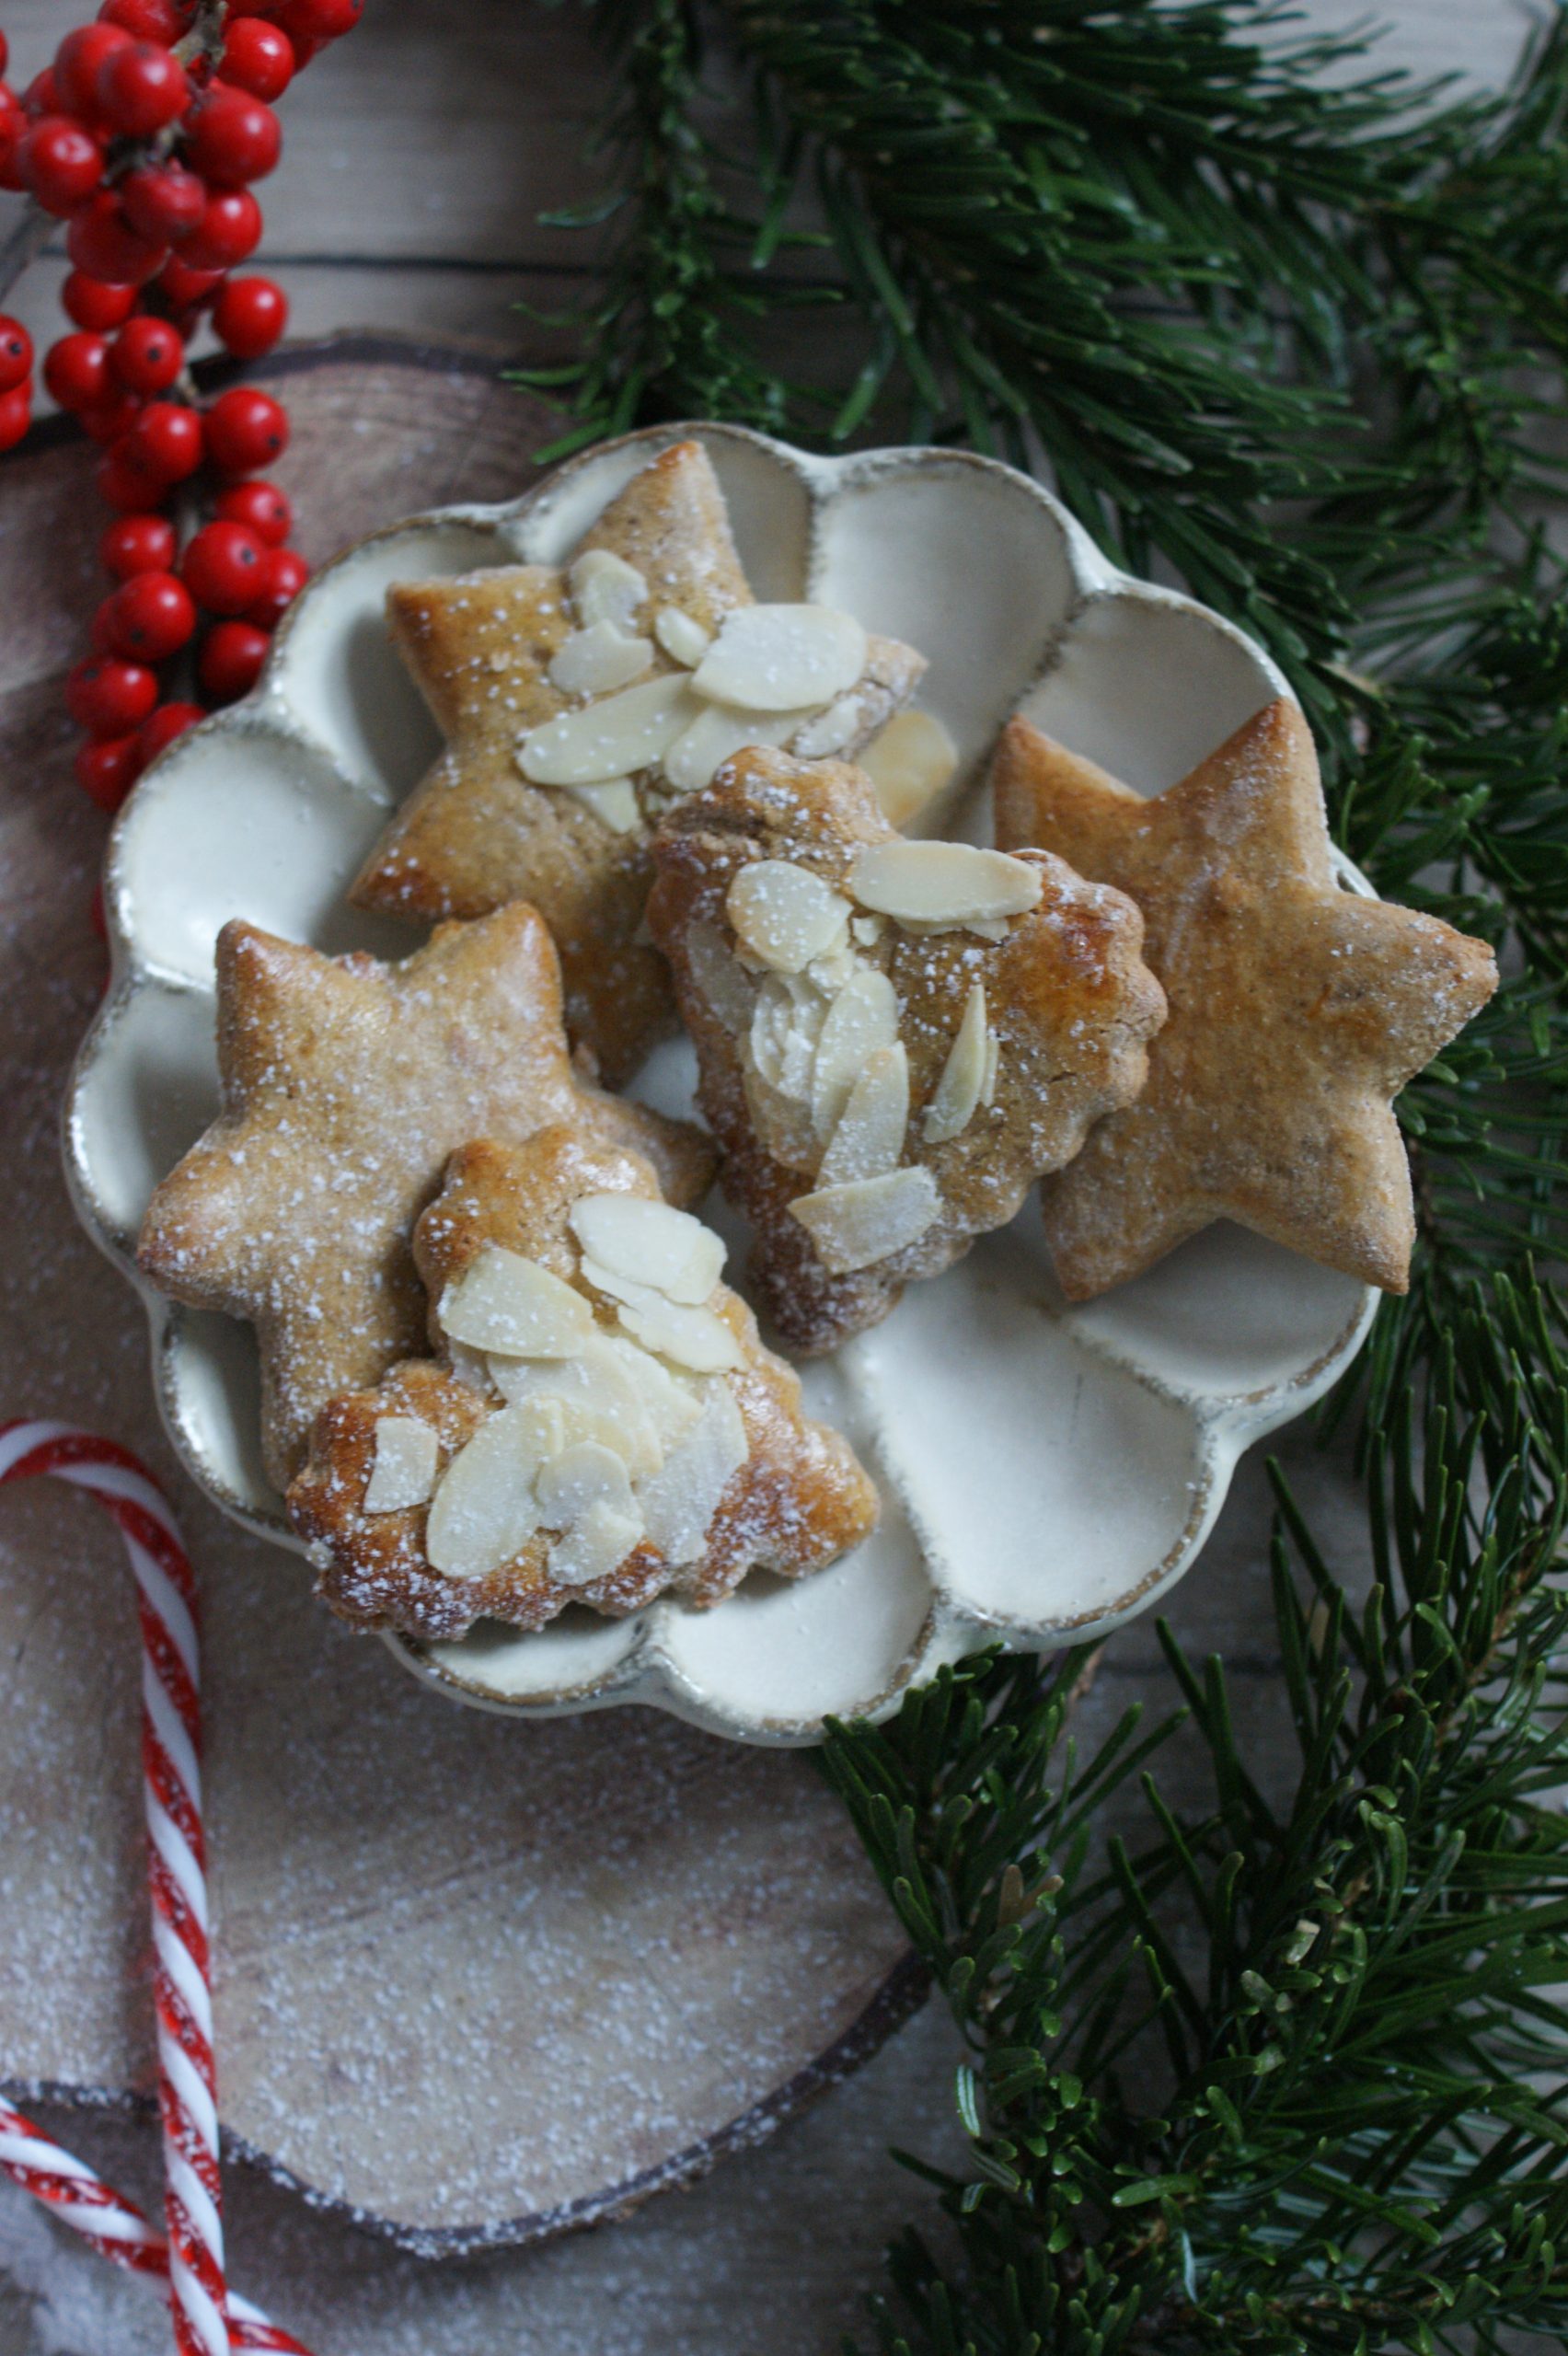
(895, 1038)
(578, 702)
(600, 1421)
(1299, 1010)
(346, 1084)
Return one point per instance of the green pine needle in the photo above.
(1275, 2081)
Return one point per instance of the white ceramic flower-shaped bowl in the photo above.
(1046, 1472)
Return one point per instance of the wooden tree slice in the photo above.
(475, 1982)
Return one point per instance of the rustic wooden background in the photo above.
(418, 155)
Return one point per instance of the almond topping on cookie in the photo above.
(958, 1092)
(785, 915)
(402, 1472)
(605, 588)
(595, 661)
(909, 762)
(862, 1019)
(511, 1305)
(593, 1547)
(597, 1397)
(722, 979)
(613, 803)
(583, 1475)
(932, 883)
(869, 1137)
(715, 735)
(679, 1501)
(682, 637)
(651, 1243)
(485, 1510)
(608, 740)
(689, 1337)
(779, 658)
(869, 1219)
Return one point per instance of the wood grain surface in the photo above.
(418, 156)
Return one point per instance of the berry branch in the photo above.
(145, 135)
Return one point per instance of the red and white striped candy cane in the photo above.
(209, 2319)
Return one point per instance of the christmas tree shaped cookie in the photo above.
(601, 1421)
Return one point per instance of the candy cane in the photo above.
(209, 2319)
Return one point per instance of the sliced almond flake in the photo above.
(651, 1242)
(505, 1302)
(909, 762)
(869, 1138)
(782, 658)
(862, 1019)
(993, 1065)
(593, 1547)
(867, 931)
(679, 1501)
(983, 928)
(402, 1470)
(610, 739)
(934, 883)
(671, 1401)
(786, 915)
(783, 1123)
(586, 1473)
(485, 1510)
(765, 1045)
(690, 1337)
(855, 1225)
(715, 736)
(596, 661)
(615, 804)
(682, 636)
(957, 1092)
(833, 972)
(598, 1397)
(605, 588)
(722, 980)
(829, 732)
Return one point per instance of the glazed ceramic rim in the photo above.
(644, 1669)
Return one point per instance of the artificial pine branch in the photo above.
(1303, 346)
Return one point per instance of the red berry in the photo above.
(107, 767)
(111, 419)
(146, 355)
(127, 488)
(258, 57)
(16, 415)
(246, 430)
(286, 573)
(162, 202)
(228, 230)
(151, 618)
(13, 130)
(77, 371)
(231, 658)
(230, 137)
(261, 507)
(319, 19)
(224, 567)
(165, 444)
(136, 544)
(93, 304)
(249, 315)
(106, 696)
(76, 64)
(163, 20)
(41, 96)
(101, 242)
(186, 288)
(169, 721)
(61, 163)
(15, 354)
(141, 87)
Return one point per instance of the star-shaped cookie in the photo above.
(896, 1039)
(346, 1084)
(696, 1477)
(476, 833)
(1299, 1010)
